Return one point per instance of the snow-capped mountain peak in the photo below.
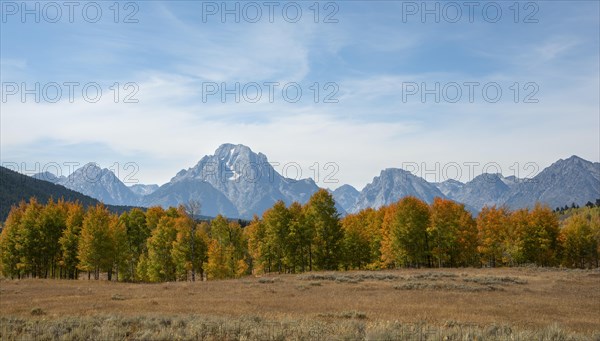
(246, 179)
(99, 183)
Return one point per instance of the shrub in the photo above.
(37, 312)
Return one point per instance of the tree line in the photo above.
(61, 239)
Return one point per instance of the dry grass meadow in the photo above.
(423, 304)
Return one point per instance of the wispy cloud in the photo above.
(369, 54)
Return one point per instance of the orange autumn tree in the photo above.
(388, 259)
(492, 225)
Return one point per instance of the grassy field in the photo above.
(424, 304)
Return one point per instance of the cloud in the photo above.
(369, 54)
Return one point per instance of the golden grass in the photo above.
(355, 304)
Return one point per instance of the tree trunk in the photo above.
(193, 254)
(310, 258)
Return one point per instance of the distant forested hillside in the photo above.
(15, 187)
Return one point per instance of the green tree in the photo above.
(258, 248)
(153, 216)
(192, 210)
(11, 250)
(323, 220)
(160, 266)
(185, 260)
(356, 243)
(69, 241)
(95, 244)
(580, 239)
(31, 244)
(121, 252)
(138, 233)
(227, 252)
(543, 249)
(453, 234)
(277, 223)
(52, 222)
(141, 269)
(518, 238)
(407, 237)
(219, 261)
(299, 239)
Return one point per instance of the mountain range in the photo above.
(237, 182)
(573, 180)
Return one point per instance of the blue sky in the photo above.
(368, 59)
